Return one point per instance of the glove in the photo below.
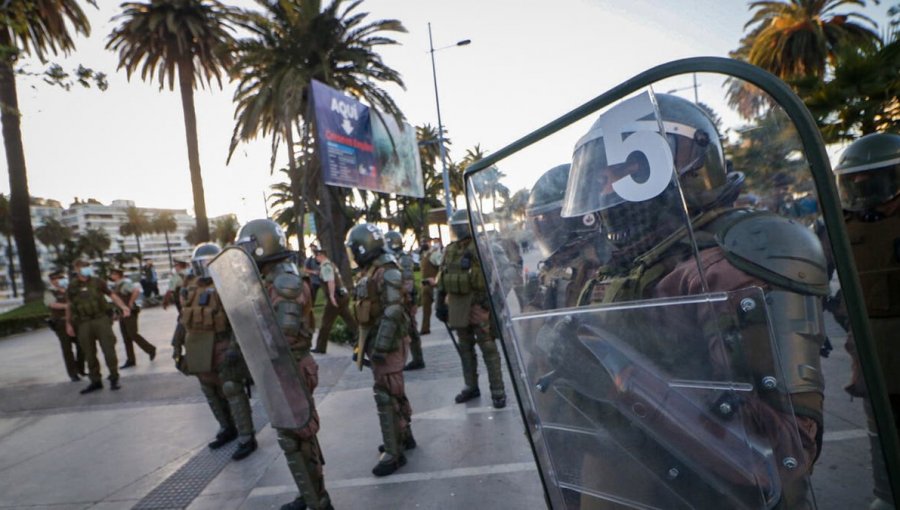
(441, 311)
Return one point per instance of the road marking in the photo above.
(496, 469)
(457, 412)
(843, 435)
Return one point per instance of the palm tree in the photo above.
(225, 229)
(6, 230)
(53, 234)
(137, 225)
(187, 38)
(797, 38)
(29, 28)
(94, 242)
(164, 223)
(291, 44)
(861, 94)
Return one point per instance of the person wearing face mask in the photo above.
(55, 299)
(87, 314)
(128, 326)
(176, 282)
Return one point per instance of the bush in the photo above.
(24, 318)
(341, 334)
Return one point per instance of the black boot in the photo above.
(127, 364)
(114, 383)
(300, 504)
(244, 449)
(467, 394)
(415, 365)
(224, 437)
(388, 464)
(94, 386)
(499, 402)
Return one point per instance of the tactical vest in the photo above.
(60, 296)
(461, 269)
(87, 299)
(429, 270)
(562, 276)
(201, 309)
(876, 249)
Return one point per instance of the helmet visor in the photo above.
(592, 182)
(868, 188)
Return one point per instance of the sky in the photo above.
(529, 62)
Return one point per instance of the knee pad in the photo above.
(288, 443)
(382, 397)
(232, 389)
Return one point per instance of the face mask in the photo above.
(63, 282)
(87, 272)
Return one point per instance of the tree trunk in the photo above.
(19, 200)
(169, 250)
(295, 192)
(137, 239)
(185, 75)
(12, 266)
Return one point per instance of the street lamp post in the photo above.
(437, 102)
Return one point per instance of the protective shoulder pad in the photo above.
(393, 277)
(288, 286)
(407, 263)
(385, 258)
(777, 250)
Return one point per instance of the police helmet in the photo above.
(203, 253)
(264, 240)
(394, 241)
(868, 172)
(459, 224)
(365, 242)
(551, 230)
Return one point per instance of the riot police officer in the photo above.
(868, 180)
(380, 307)
(572, 247)
(213, 355)
(463, 305)
(394, 242)
(658, 250)
(290, 296)
(55, 301)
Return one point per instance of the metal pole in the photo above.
(437, 102)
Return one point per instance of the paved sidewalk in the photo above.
(144, 446)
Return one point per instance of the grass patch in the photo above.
(24, 318)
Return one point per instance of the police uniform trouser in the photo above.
(328, 317)
(128, 327)
(74, 362)
(223, 388)
(394, 410)
(301, 447)
(90, 331)
(480, 334)
(426, 301)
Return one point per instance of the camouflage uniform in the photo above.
(461, 283)
(430, 264)
(91, 318)
(379, 297)
(213, 355)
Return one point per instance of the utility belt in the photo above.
(86, 318)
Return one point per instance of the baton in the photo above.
(452, 338)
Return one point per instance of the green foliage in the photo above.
(225, 229)
(27, 317)
(53, 234)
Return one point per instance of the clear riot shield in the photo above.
(282, 390)
(629, 232)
